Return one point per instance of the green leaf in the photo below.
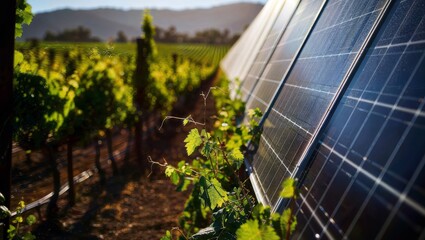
(237, 154)
(169, 170)
(28, 236)
(252, 231)
(175, 178)
(193, 140)
(288, 188)
(11, 232)
(18, 58)
(213, 193)
(167, 236)
(186, 120)
(207, 149)
(2, 199)
(206, 233)
(31, 219)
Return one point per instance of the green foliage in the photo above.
(167, 236)
(23, 16)
(148, 30)
(252, 231)
(288, 188)
(15, 230)
(212, 192)
(220, 206)
(193, 140)
(35, 105)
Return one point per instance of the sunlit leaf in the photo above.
(213, 193)
(288, 188)
(169, 170)
(31, 219)
(237, 154)
(193, 140)
(252, 231)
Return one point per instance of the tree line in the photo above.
(169, 35)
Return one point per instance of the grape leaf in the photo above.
(186, 120)
(31, 219)
(213, 193)
(167, 236)
(288, 188)
(237, 154)
(169, 170)
(18, 58)
(193, 140)
(252, 231)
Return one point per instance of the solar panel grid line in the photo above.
(339, 93)
(401, 44)
(317, 219)
(386, 105)
(294, 5)
(401, 199)
(286, 74)
(412, 203)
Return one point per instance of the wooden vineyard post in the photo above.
(7, 45)
(140, 82)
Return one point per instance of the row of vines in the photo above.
(79, 94)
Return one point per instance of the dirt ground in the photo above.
(132, 205)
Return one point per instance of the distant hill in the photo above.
(105, 23)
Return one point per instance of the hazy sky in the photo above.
(48, 5)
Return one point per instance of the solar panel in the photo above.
(305, 94)
(283, 54)
(343, 89)
(238, 60)
(263, 56)
(366, 176)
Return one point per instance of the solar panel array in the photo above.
(342, 85)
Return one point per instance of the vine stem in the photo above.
(241, 184)
(288, 228)
(189, 119)
(180, 231)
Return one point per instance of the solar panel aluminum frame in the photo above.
(275, 44)
(303, 162)
(254, 181)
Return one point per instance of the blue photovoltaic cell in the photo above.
(269, 45)
(309, 89)
(283, 55)
(366, 177)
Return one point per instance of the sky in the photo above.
(49, 5)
